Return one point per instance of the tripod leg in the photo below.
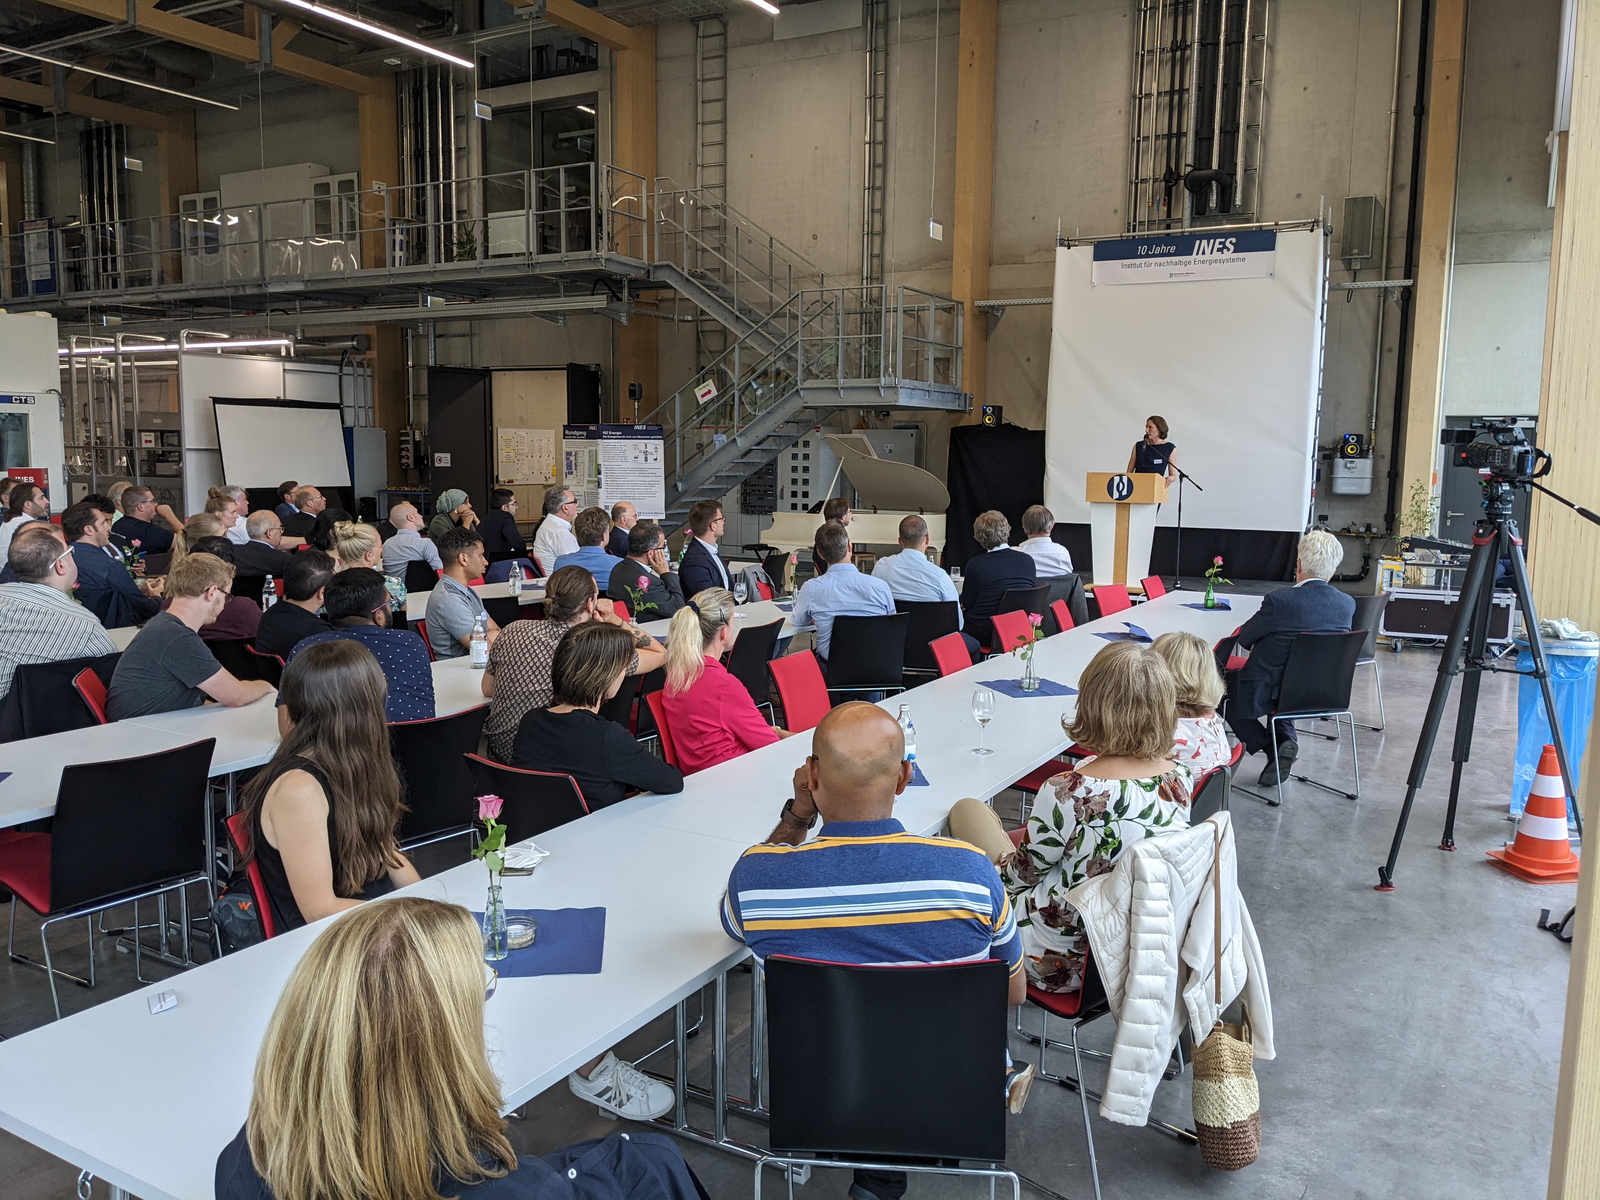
(1449, 665)
(1472, 676)
(1541, 672)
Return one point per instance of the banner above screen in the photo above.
(1248, 254)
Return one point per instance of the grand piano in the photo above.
(886, 491)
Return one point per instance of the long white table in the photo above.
(663, 938)
(532, 593)
(760, 612)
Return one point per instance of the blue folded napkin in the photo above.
(918, 779)
(570, 941)
(1013, 687)
(1221, 603)
(786, 606)
(4, 775)
(1133, 634)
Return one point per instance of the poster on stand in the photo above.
(604, 464)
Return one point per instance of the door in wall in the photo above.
(459, 413)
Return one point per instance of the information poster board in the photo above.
(526, 456)
(604, 464)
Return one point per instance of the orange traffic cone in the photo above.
(1542, 853)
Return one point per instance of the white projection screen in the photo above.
(1232, 364)
(265, 442)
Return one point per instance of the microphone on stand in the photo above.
(1177, 565)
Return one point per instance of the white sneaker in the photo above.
(620, 1089)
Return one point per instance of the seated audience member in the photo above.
(624, 517)
(241, 616)
(990, 575)
(865, 890)
(1050, 559)
(1129, 790)
(201, 525)
(260, 555)
(591, 527)
(294, 617)
(1312, 605)
(39, 622)
(308, 505)
(321, 535)
(646, 580)
(499, 527)
(711, 714)
(571, 736)
(389, 1002)
(453, 607)
(146, 527)
(701, 566)
(286, 506)
(358, 545)
(28, 503)
(554, 537)
(167, 666)
(230, 504)
(104, 586)
(1200, 741)
(842, 592)
(359, 613)
(835, 511)
(452, 511)
(912, 576)
(322, 814)
(113, 494)
(408, 545)
(518, 677)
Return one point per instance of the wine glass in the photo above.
(983, 713)
(740, 591)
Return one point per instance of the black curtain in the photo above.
(1000, 468)
(1246, 553)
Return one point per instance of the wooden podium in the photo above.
(1122, 523)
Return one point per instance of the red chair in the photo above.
(422, 630)
(1062, 614)
(258, 887)
(621, 609)
(950, 652)
(1112, 598)
(801, 690)
(1153, 587)
(271, 666)
(93, 691)
(658, 709)
(1011, 629)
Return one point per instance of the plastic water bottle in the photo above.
(269, 595)
(910, 732)
(515, 579)
(480, 643)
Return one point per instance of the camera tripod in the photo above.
(1493, 538)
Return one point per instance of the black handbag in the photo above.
(236, 916)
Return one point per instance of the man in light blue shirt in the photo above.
(909, 574)
(591, 527)
(842, 592)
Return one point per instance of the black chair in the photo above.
(747, 661)
(497, 556)
(123, 830)
(1029, 600)
(1212, 795)
(620, 707)
(420, 577)
(240, 659)
(776, 565)
(1369, 616)
(645, 721)
(536, 801)
(250, 587)
(157, 564)
(1070, 589)
(1316, 683)
(930, 620)
(868, 654)
(42, 699)
(433, 774)
(270, 666)
(903, 1109)
(503, 610)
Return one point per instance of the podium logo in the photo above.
(1119, 487)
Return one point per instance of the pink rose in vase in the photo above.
(489, 808)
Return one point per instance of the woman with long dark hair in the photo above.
(322, 814)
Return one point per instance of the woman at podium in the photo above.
(1152, 454)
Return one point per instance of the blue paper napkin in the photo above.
(1133, 634)
(1221, 603)
(918, 779)
(4, 775)
(1013, 687)
(785, 606)
(570, 941)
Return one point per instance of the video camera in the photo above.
(1498, 448)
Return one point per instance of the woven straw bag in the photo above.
(1227, 1104)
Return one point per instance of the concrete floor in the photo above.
(1418, 1033)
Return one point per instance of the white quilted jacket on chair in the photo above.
(1151, 925)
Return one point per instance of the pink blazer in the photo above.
(715, 720)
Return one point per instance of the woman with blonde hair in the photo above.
(354, 544)
(373, 1081)
(201, 525)
(1083, 819)
(231, 504)
(1200, 739)
(711, 713)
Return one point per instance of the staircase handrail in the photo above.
(704, 198)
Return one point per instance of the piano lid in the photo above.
(883, 484)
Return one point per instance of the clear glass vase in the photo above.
(1030, 675)
(494, 922)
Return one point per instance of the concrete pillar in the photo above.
(387, 354)
(638, 358)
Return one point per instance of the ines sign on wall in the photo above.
(1247, 254)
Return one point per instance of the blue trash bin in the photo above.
(1572, 680)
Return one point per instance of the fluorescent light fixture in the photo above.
(154, 87)
(279, 343)
(482, 111)
(586, 108)
(765, 7)
(26, 137)
(382, 31)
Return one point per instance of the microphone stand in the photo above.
(1183, 477)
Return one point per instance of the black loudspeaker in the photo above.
(1350, 445)
(991, 415)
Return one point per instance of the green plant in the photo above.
(1422, 506)
(466, 244)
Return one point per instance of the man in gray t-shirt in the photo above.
(453, 607)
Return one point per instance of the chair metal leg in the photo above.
(1083, 1101)
(49, 968)
(1377, 682)
(1317, 783)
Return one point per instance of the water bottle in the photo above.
(515, 579)
(910, 732)
(480, 643)
(269, 595)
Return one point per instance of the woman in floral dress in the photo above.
(1084, 818)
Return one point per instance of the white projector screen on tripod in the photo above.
(1233, 364)
(267, 441)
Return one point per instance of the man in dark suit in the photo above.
(702, 567)
(260, 555)
(499, 528)
(308, 503)
(624, 517)
(104, 586)
(662, 595)
(990, 575)
(286, 491)
(1312, 605)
